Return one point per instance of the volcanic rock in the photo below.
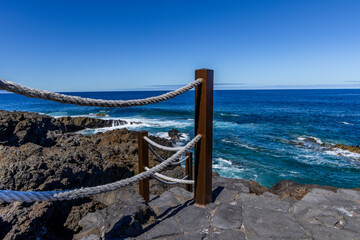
(30, 160)
(255, 187)
(354, 149)
(73, 124)
(296, 191)
(174, 134)
(18, 128)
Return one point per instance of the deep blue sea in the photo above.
(254, 130)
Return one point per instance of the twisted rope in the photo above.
(62, 98)
(171, 180)
(165, 148)
(161, 159)
(165, 182)
(31, 196)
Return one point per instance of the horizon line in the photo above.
(167, 90)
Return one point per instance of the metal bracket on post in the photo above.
(204, 126)
(143, 154)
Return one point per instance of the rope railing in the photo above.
(170, 179)
(62, 98)
(204, 81)
(33, 196)
(165, 148)
(163, 181)
(161, 159)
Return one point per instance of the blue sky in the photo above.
(125, 45)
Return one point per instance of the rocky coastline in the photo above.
(39, 152)
(341, 149)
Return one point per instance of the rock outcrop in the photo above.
(354, 149)
(18, 128)
(38, 152)
(73, 124)
(296, 191)
(174, 135)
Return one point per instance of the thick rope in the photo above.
(161, 159)
(165, 182)
(165, 148)
(170, 179)
(32, 196)
(162, 181)
(62, 98)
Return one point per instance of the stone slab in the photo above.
(227, 216)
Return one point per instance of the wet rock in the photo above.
(73, 124)
(296, 191)
(296, 143)
(174, 134)
(308, 140)
(354, 149)
(257, 188)
(313, 140)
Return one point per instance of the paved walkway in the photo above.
(237, 214)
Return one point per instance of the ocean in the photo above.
(258, 134)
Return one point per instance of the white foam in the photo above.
(319, 158)
(138, 123)
(290, 174)
(230, 115)
(238, 144)
(225, 168)
(184, 137)
(344, 153)
(246, 146)
(162, 135)
(221, 124)
(346, 123)
(223, 160)
(304, 138)
(157, 123)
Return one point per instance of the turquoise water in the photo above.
(253, 130)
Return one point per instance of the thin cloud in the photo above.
(167, 86)
(230, 84)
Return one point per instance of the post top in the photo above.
(204, 69)
(143, 133)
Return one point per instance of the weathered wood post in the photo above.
(204, 126)
(143, 153)
(189, 171)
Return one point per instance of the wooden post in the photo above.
(203, 126)
(189, 171)
(143, 153)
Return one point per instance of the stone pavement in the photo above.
(237, 214)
